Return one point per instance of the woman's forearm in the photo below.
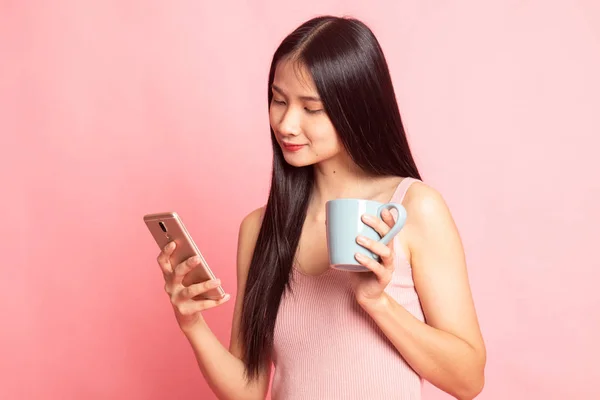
(223, 371)
(439, 357)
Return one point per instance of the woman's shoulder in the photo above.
(429, 222)
(253, 220)
(425, 205)
(250, 226)
(247, 236)
(249, 229)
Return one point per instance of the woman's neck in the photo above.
(336, 179)
(332, 183)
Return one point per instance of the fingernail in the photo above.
(360, 256)
(169, 246)
(368, 218)
(227, 297)
(217, 282)
(361, 239)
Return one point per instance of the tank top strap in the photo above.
(402, 189)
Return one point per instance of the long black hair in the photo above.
(352, 78)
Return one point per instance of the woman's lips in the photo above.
(292, 147)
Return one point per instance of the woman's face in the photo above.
(302, 128)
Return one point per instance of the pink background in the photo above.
(112, 109)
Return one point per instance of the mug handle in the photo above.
(399, 221)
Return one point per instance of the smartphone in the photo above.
(167, 227)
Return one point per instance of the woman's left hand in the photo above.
(369, 286)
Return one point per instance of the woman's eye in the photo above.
(278, 102)
(312, 111)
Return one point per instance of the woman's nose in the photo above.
(290, 123)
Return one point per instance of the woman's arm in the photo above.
(448, 350)
(222, 368)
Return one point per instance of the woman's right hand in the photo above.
(187, 310)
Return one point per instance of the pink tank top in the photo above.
(327, 347)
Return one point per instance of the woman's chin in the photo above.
(298, 164)
(296, 161)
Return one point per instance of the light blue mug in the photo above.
(344, 224)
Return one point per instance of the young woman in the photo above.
(337, 132)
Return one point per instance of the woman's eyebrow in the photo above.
(306, 98)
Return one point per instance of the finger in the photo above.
(376, 223)
(375, 267)
(198, 288)
(164, 258)
(385, 252)
(184, 267)
(192, 307)
(387, 217)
